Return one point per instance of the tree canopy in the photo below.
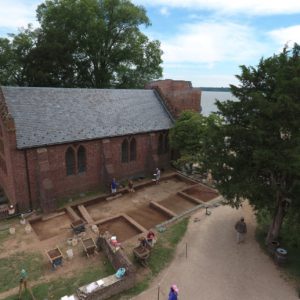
(255, 154)
(190, 134)
(83, 43)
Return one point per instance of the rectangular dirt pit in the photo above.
(52, 227)
(202, 193)
(177, 204)
(147, 216)
(119, 227)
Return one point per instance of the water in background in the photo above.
(208, 100)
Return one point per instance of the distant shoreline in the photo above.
(214, 89)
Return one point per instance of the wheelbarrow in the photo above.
(141, 254)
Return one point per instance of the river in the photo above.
(208, 100)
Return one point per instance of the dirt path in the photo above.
(218, 268)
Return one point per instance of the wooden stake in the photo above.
(186, 250)
(158, 288)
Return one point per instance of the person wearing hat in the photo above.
(173, 295)
(241, 229)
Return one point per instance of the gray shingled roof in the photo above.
(47, 116)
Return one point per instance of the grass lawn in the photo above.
(60, 287)
(11, 266)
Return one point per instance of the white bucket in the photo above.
(12, 230)
(23, 221)
(95, 229)
(74, 242)
(69, 241)
(27, 228)
(70, 253)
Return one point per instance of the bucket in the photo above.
(70, 253)
(69, 241)
(280, 256)
(28, 229)
(74, 242)
(95, 229)
(12, 230)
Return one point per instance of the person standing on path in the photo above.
(173, 295)
(23, 284)
(241, 229)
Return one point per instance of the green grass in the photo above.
(66, 286)
(11, 266)
(292, 267)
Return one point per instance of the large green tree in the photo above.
(14, 56)
(90, 43)
(255, 154)
(189, 136)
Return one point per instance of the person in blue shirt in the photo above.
(113, 186)
(173, 295)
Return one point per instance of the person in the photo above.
(151, 238)
(113, 186)
(241, 229)
(130, 186)
(173, 295)
(23, 279)
(157, 175)
(143, 242)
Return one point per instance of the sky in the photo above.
(204, 41)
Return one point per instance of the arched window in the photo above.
(132, 149)
(166, 148)
(70, 161)
(124, 154)
(81, 160)
(160, 145)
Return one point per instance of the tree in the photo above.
(14, 59)
(189, 136)
(255, 154)
(91, 43)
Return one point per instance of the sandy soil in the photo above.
(55, 232)
(202, 193)
(137, 200)
(216, 267)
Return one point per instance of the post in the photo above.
(158, 288)
(186, 250)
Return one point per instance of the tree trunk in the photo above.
(277, 220)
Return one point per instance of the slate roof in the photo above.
(48, 116)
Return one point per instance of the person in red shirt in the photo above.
(151, 238)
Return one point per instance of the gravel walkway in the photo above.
(217, 268)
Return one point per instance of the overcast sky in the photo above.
(204, 41)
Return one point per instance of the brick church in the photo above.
(56, 142)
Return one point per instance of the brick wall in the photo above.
(13, 176)
(178, 95)
(38, 175)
